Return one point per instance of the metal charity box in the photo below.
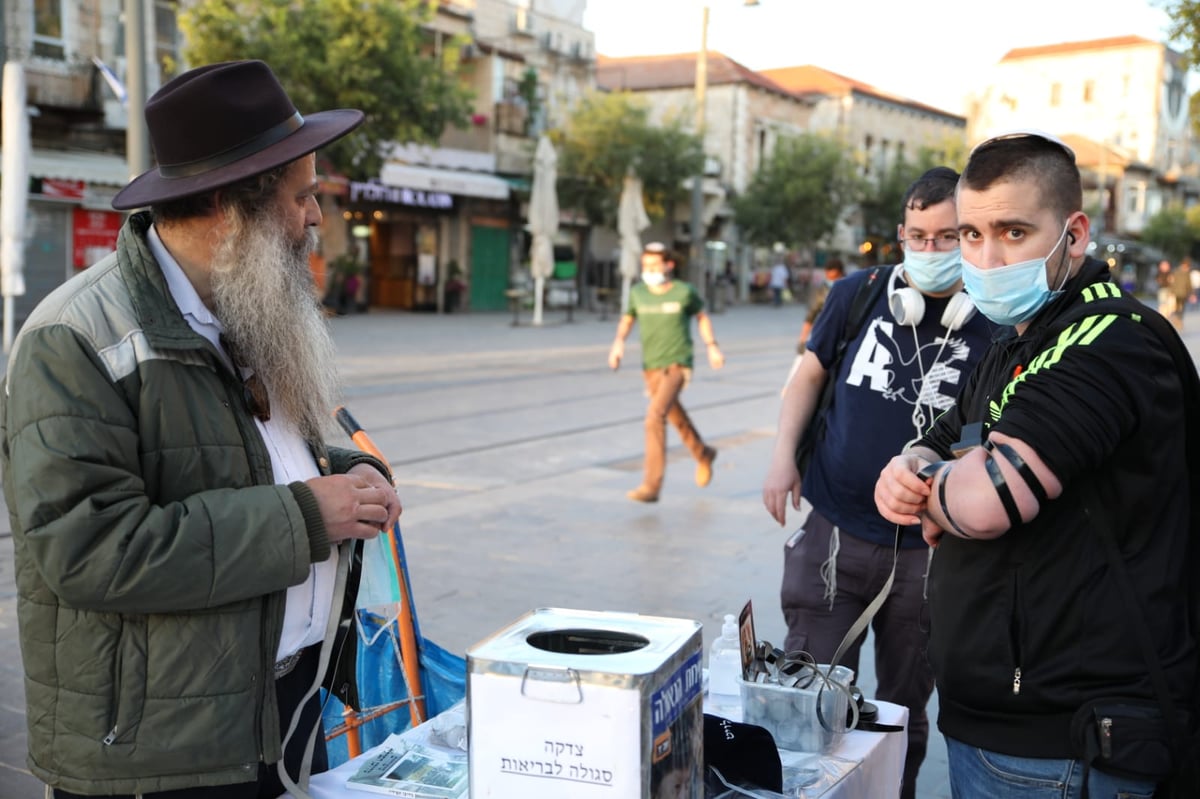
(579, 704)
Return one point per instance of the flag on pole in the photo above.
(110, 77)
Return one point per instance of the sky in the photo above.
(932, 51)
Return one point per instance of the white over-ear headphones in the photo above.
(908, 305)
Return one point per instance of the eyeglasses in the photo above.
(942, 242)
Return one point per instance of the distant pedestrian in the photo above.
(834, 271)
(1181, 290)
(665, 307)
(780, 277)
(1166, 297)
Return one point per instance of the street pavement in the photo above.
(514, 447)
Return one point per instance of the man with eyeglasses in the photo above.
(918, 342)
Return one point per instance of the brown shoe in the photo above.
(642, 494)
(704, 467)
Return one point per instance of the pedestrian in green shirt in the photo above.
(665, 308)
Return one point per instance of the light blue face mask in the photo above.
(1012, 294)
(653, 278)
(932, 272)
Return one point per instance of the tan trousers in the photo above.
(664, 387)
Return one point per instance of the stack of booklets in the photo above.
(413, 769)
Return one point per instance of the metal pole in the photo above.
(14, 194)
(137, 147)
(697, 271)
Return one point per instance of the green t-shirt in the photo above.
(664, 323)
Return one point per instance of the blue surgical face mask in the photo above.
(932, 272)
(653, 278)
(1012, 294)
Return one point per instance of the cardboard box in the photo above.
(581, 704)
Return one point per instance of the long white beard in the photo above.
(263, 293)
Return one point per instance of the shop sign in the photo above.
(95, 235)
(62, 189)
(372, 192)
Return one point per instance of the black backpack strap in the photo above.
(864, 299)
(868, 292)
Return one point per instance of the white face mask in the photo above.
(1012, 294)
(653, 278)
(932, 272)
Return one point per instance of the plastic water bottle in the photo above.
(725, 662)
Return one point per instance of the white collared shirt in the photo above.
(307, 609)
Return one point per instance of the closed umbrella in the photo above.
(631, 221)
(14, 196)
(543, 220)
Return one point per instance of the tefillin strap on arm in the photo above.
(1023, 469)
(1002, 490)
(1001, 484)
(929, 472)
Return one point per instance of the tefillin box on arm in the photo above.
(586, 704)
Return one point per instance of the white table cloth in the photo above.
(861, 765)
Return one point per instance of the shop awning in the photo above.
(467, 184)
(100, 168)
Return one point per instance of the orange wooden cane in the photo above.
(408, 639)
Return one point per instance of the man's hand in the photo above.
(900, 495)
(376, 478)
(782, 478)
(716, 359)
(358, 504)
(616, 354)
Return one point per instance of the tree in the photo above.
(799, 194)
(606, 135)
(880, 203)
(1169, 230)
(375, 55)
(670, 153)
(1184, 31)
(1184, 27)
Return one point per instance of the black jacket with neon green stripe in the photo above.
(152, 548)
(1026, 628)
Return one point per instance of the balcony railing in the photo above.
(477, 138)
(62, 86)
(512, 118)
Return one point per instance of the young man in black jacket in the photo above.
(1067, 435)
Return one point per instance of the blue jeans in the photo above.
(980, 774)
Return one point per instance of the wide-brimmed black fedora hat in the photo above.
(217, 124)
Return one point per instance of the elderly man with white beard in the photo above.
(183, 536)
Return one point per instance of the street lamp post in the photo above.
(697, 269)
(137, 138)
(697, 254)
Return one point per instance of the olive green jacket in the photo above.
(152, 547)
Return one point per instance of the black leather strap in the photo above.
(1002, 490)
(961, 533)
(1023, 469)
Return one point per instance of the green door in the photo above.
(489, 268)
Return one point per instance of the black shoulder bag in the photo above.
(868, 291)
(1149, 740)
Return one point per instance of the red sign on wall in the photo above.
(63, 189)
(95, 235)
